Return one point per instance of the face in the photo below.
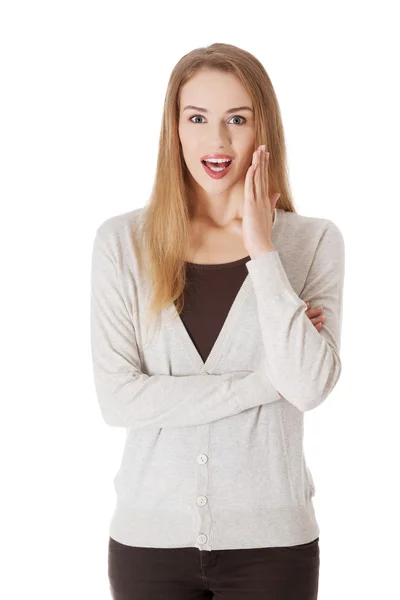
(212, 129)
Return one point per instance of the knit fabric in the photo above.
(214, 455)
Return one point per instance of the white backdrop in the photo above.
(83, 86)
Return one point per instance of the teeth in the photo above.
(218, 160)
(216, 169)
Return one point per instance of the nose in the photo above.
(218, 137)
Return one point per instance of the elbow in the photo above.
(110, 403)
(109, 413)
(120, 407)
(323, 388)
(116, 398)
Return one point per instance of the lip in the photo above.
(217, 174)
(216, 156)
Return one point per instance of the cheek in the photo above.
(246, 159)
(191, 153)
(186, 135)
(193, 141)
(186, 141)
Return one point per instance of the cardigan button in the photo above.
(202, 538)
(202, 500)
(202, 458)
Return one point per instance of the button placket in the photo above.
(203, 520)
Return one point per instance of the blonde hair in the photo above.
(166, 217)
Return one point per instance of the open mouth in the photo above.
(217, 170)
(217, 167)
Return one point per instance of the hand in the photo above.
(257, 220)
(258, 207)
(314, 314)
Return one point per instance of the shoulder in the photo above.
(312, 231)
(119, 224)
(118, 232)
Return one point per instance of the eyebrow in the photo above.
(231, 110)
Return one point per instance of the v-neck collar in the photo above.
(174, 320)
(219, 345)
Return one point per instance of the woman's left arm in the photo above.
(302, 364)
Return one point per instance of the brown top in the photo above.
(209, 294)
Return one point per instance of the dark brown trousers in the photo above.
(282, 573)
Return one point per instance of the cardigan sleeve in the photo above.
(129, 398)
(302, 363)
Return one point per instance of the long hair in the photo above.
(166, 216)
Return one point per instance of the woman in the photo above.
(214, 498)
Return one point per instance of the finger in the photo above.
(257, 176)
(249, 181)
(264, 184)
(255, 161)
(314, 311)
(261, 184)
(260, 177)
(267, 183)
(317, 320)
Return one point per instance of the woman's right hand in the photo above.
(315, 316)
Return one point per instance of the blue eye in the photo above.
(235, 117)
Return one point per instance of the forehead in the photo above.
(215, 91)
